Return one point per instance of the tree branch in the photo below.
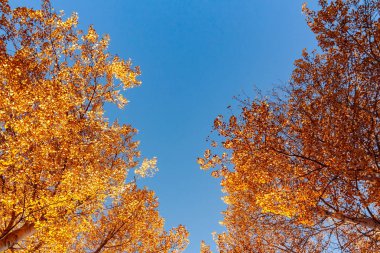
(16, 236)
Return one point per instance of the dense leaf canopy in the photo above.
(63, 165)
(301, 170)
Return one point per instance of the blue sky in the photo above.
(195, 55)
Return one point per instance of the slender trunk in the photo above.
(16, 236)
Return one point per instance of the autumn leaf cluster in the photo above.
(63, 166)
(300, 168)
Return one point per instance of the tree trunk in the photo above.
(365, 222)
(16, 236)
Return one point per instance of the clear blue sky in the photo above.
(195, 55)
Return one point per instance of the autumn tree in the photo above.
(301, 170)
(63, 165)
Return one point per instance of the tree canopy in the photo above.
(63, 165)
(301, 169)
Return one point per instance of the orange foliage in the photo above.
(205, 248)
(63, 166)
(301, 170)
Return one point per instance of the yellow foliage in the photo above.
(63, 166)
